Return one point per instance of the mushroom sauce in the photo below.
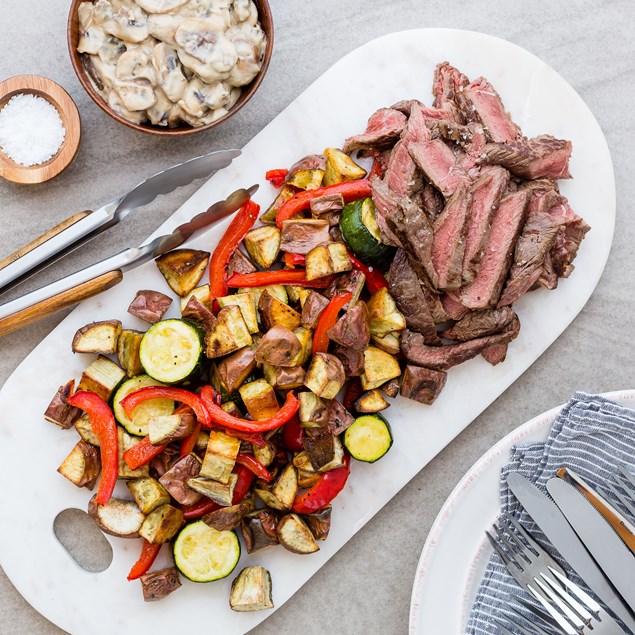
(171, 61)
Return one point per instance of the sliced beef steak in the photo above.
(446, 83)
(405, 288)
(572, 231)
(496, 354)
(449, 239)
(479, 101)
(487, 192)
(537, 158)
(486, 288)
(385, 201)
(383, 130)
(452, 307)
(422, 384)
(439, 165)
(480, 323)
(443, 357)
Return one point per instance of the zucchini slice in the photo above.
(171, 350)
(203, 554)
(368, 438)
(141, 415)
(361, 232)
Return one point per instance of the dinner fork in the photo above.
(534, 569)
(626, 481)
(521, 623)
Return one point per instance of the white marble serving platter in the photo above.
(386, 70)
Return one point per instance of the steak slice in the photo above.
(439, 165)
(444, 357)
(385, 201)
(405, 288)
(485, 290)
(479, 101)
(496, 354)
(487, 192)
(480, 323)
(422, 384)
(571, 233)
(383, 130)
(449, 239)
(446, 83)
(537, 238)
(452, 307)
(430, 200)
(540, 157)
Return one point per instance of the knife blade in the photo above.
(129, 258)
(606, 547)
(561, 535)
(56, 243)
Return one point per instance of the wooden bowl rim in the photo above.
(266, 20)
(69, 114)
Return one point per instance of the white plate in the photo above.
(456, 552)
(384, 71)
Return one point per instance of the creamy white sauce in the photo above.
(171, 61)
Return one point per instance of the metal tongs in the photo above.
(82, 227)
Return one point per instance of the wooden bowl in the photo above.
(266, 21)
(61, 100)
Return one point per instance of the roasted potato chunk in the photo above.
(102, 377)
(229, 334)
(281, 495)
(279, 346)
(128, 352)
(97, 337)
(259, 399)
(221, 493)
(371, 401)
(126, 441)
(220, 456)
(227, 518)
(117, 517)
(183, 268)
(58, 411)
(379, 367)
(325, 260)
(251, 590)
(161, 524)
(167, 428)
(273, 312)
(148, 493)
(325, 376)
(384, 315)
(340, 167)
(81, 467)
(159, 584)
(263, 245)
(246, 303)
(233, 370)
(200, 293)
(176, 478)
(295, 535)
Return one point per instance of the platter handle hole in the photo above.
(77, 532)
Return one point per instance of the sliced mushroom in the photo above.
(97, 68)
(168, 71)
(177, 116)
(193, 100)
(159, 114)
(205, 49)
(210, 117)
(248, 50)
(136, 95)
(135, 64)
(161, 6)
(242, 9)
(115, 102)
(92, 36)
(111, 50)
(123, 19)
(163, 26)
(198, 8)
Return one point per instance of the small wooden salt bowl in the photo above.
(61, 100)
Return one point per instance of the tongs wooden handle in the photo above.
(40, 240)
(60, 301)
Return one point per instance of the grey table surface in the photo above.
(366, 587)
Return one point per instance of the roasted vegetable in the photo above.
(97, 337)
(327, 259)
(148, 493)
(312, 308)
(203, 554)
(183, 268)
(138, 423)
(247, 307)
(259, 399)
(263, 245)
(229, 334)
(305, 337)
(295, 535)
(283, 196)
(283, 378)
(302, 235)
(101, 377)
(125, 442)
(306, 179)
(325, 376)
(171, 350)
(221, 493)
(314, 413)
(239, 263)
(85, 430)
(320, 522)
(176, 478)
(149, 306)
(389, 343)
(281, 495)
(379, 367)
(256, 529)
(352, 329)
(159, 584)
(220, 456)
(384, 316)
(274, 312)
(320, 447)
(118, 517)
(368, 438)
(161, 524)
(167, 428)
(371, 401)
(251, 590)
(128, 352)
(81, 467)
(361, 233)
(265, 454)
(391, 388)
(340, 167)
(200, 293)
(422, 384)
(279, 346)
(227, 518)
(234, 370)
(59, 411)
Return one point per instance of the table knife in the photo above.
(606, 547)
(555, 526)
(106, 273)
(85, 225)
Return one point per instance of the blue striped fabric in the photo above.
(592, 436)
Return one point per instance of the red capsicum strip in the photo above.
(131, 401)
(324, 491)
(350, 190)
(149, 553)
(256, 437)
(242, 222)
(296, 277)
(374, 277)
(293, 434)
(293, 260)
(225, 420)
(255, 466)
(141, 453)
(189, 443)
(327, 319)
(103, 423)
(205, 505)
(276, 177)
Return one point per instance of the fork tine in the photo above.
(514, 551)
(627, 475)
(546, 617)
(503, 629)
(562, 604)
(584, 614)
(504, 557)
(536, 629)
(625, 484)
(521, 530)
(585, 598)
(564, 625)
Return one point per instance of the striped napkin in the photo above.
(591, 435)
